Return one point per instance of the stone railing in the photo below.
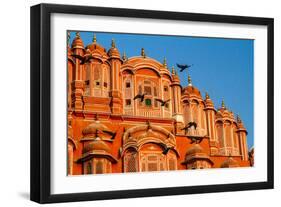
(148, 113)
(129, 111)
(229, 151)
(198, 132)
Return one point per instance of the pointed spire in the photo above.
(238, 118)
(189, 81)
(94, 38)
(124, 57)
(165, 62)
(173, 70)
(113, 43)
(143, 53)
(78, 34)
(207, 96)
(222, 104)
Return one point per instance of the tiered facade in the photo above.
(111, 132)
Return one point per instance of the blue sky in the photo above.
(222, 67)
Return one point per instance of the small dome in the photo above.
(95, 47)
(191, 90)
(229, 162)
(175, 78)
(113, 51)
(208, 101)
(96, 145)
(223, 112)
(92, 128)
(196, 152)
(77, 42)
(195, 149)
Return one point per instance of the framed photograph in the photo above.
(132, 103)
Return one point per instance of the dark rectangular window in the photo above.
(165, 88)
(128, 102)
(128, 85)
(97, 83)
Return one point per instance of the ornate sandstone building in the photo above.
(113, 130)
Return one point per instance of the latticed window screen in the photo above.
(131, 162)
(97, 72)
(147, 90)
(99, 167)
(172, 164)
(153, 162)
(152, 166)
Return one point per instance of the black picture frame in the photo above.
(41, 99)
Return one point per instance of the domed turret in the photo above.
(242, 133)
(113, 51)
(190, 90)
(240, 123)
(195, 149)
(96, 149)
(196, 153)
(94, 47)
(208, 102)
(77, 42)
(96, 145)
(91, 130)
(175, 77)
(223, 112)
